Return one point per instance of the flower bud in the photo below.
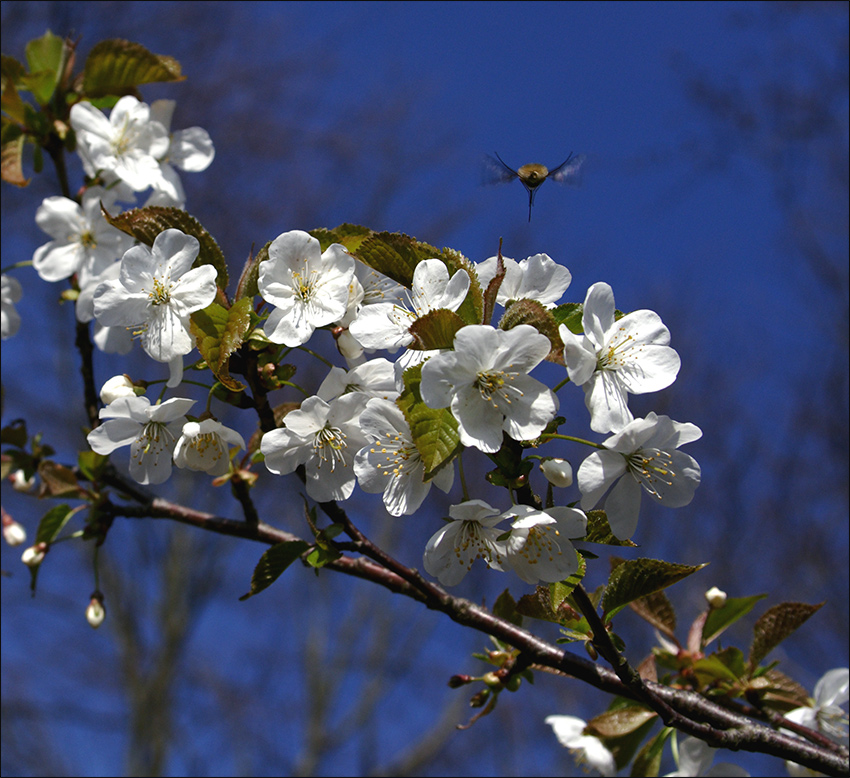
(115, 387)
(457, 681)
(13, 533)
(34, 555)
(558, 472)
(20, 482)
(96, 611)
(715, 597)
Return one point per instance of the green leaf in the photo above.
(570, 314)
(117, 67)
(648, 761)
(393, 254)
(637, 578)
(721, 666)
(472, 308)
(435, 330)
(219, 332)
(247, 286)
(91, 464)
(720, 619)
(348, 235)
(45, 57)
(620, 721)
(52, 522)
(560, 590)
(14, 434)
(12, 73)
(144, 224)
(599, 531)
(319, 556)
(505, 608)
(272, 563)
(538, 316)
(776, 624)
(433, 430)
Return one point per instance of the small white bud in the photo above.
(96, 611)
(715, 597)
(558, 472)
(115, 387)
(34, 555)
(20, 483)
(13, 533)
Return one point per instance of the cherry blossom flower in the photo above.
(825, 715)
(614, 358)
(203, 445)
(539, 547)
(642, 456)
(128, 145)
(115, 387)
(323, 436)
(694, 758)
(156, 291)
(83, 241)
(587, 749)
(471, 535)
(151, 431)
(191, 150)
(10, 293)
(391, 463)
(535, 278)
(374, 378)
(387, 325)
(110, 340)
(485, 382)
(308, 288)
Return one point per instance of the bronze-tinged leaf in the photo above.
(637, 578)
(11, 157)
(218, 332)
(538, 605)
(144, 224)
(538, 316)
(58, 481)
(435, 330)
(492, 291)
(599, 531)
(656, 609)
(621, 721)
(117, 67)
(776, 624)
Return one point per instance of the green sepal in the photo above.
(635, 578)
(272, 563)
(219, 331)
(433, 430)
(117, 67)
(144, 224)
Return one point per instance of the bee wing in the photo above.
(569, 171)
(494, 171)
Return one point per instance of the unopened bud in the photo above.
(115, 387)
(96, 611)
(715, 597)
(20, 482)
(34, 555)
(13, 533)
(558, 472)
(456, 681)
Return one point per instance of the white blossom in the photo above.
(695, 757)
(537, 278)
(309, 288)
(324, 437)
(374, 378)
(484, 380)
(10, 293)
(203, 445)
(539, 547)
(641, 457)
(587, 749)
(156, 291)
(151, 431)
(83, 241)
(128, 145)
(558, 472)
(471, 535)
(110, 340)
(390, 463)
(614, 358)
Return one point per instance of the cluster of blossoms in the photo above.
(352, 430)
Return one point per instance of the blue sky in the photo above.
(677, 212)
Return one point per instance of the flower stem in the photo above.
(556, 436)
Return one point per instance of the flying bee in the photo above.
(531, 176)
